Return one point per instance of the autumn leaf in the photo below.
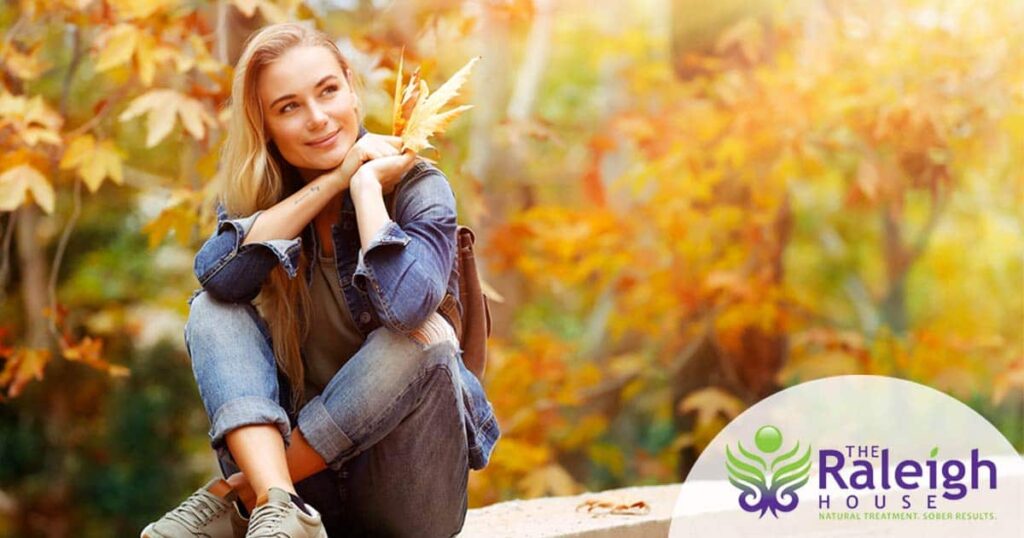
(710, 402)
(161, 106)
(24, 65)
(140, 9)
(179, 218)
(1005, 382)
(31, 118)
(425, 118)
(550, 479)
(89, 351)
(24, 365)
(269, 11)
(116, 46)
(23, 179)
(93, 161)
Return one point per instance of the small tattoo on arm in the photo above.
(314, 188)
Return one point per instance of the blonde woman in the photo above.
(337, 398)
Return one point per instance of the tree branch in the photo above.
(5, 253)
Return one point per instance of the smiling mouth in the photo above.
(325, 141)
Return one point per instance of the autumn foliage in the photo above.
(681, 222)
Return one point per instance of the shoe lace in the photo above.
(197, 510)
(266, 519)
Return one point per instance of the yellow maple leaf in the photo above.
(31, 118)
(268, 9)
(20, 180)
(425, 119)
(27, 65)
(179, 218)
(116, 46)
(710, 402)
(93, 162)
(161, 106)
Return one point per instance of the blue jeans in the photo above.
(389, 424)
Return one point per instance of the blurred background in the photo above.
(684, 207)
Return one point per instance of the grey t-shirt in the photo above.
(333, 336)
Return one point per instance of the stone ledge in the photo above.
(557, 516)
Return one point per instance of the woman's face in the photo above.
(309, 108)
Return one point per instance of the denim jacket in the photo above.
(397, 281)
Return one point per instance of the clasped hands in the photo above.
(374, 162)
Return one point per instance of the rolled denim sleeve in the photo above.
(405, 268)
(231, 271)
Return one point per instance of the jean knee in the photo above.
(211, 321)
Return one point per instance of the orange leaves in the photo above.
(1010, 380)
(23, 365)
(89, 351)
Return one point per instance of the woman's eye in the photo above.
(329, 90)
(288, 107)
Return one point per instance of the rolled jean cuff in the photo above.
(247, 411)
(323, 433)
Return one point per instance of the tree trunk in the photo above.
(33, 271)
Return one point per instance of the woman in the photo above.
(341, 403)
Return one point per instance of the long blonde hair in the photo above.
(254, 176)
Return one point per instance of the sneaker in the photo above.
(280, 517)
(201, 514)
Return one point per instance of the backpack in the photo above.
(472, 322)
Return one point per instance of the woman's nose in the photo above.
(317, 118)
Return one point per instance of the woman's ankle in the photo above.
(241, 485)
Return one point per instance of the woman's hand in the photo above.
(369, 147)
(382, 174)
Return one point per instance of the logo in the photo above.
(766, 483)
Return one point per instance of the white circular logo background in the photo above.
(855, 456)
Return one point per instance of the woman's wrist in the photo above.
(338, 180)
(364, 184)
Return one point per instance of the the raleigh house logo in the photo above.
(767, 483)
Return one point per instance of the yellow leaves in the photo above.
(93, 161)
(423, 119)
(119, 44)
(549, 480)
(711, 402)
(31, 119)
(180, 217)
(268, 9)
(519, 456)
(25, 65)
(140, 9)
(22, 366)
(161, 107)
(21, 180)
(714, 408)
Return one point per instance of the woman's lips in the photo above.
(325, 142)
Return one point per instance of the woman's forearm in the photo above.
(287, 218)
(371, 213)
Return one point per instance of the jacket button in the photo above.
(364, 318)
